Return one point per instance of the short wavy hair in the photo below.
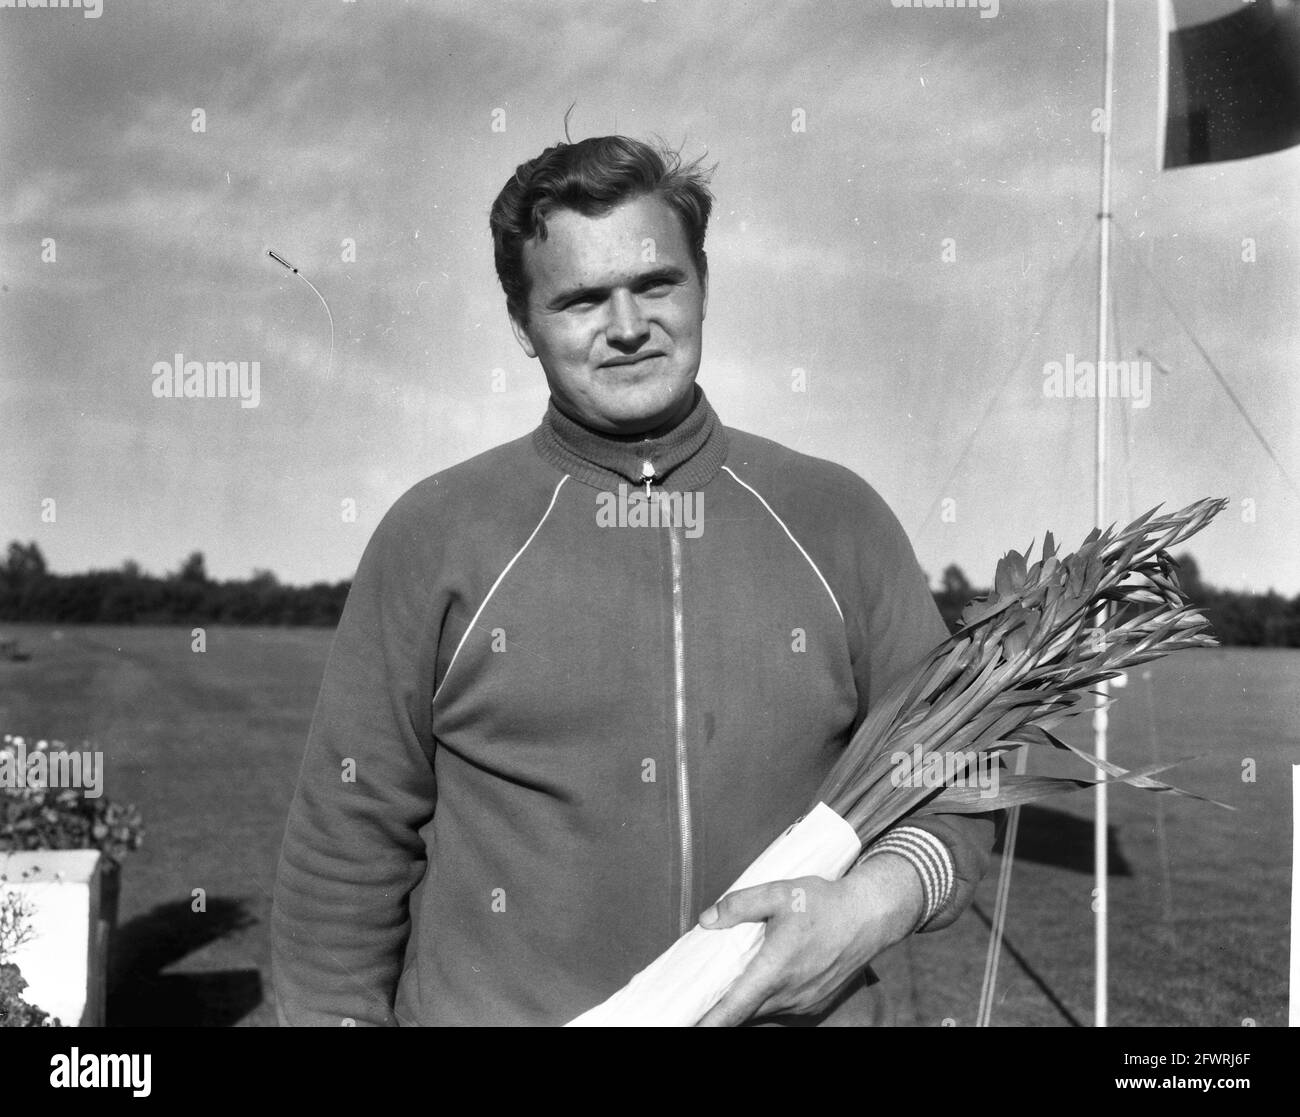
(592, 176)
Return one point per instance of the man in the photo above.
(584, 678)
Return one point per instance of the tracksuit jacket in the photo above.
(561, 715)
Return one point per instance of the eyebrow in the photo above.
(667, 273)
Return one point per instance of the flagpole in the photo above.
(1099, 717)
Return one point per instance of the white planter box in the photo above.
(65, 963)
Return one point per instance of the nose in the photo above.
(627, 328)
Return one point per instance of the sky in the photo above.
(906, 211)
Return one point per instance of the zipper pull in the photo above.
(647, 475)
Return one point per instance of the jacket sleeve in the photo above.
(898, 624)
(352, 849)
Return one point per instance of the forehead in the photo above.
(637, 236)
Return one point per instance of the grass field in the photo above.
(208, 746)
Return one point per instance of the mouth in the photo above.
(630, 359)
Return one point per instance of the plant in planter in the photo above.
(40, 813)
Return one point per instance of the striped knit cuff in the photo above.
(931, 860)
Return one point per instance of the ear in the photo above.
(704, 283)
(521, 336)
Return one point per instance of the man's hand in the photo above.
(819, 936)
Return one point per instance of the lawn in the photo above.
(208, 745)
(1199, 903)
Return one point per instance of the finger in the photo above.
(749, 905)
(747, 995)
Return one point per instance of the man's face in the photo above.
(614, 315)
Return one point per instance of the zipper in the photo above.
(686, 915)
(685, 842)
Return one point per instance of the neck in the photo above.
(684, 453)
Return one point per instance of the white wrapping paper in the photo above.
(690, 977)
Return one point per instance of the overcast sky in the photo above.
(373, 121)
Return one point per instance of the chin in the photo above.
(647, 405)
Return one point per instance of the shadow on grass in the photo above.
(1030, 972)
(1064, 841)
(140, 994)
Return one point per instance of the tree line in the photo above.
(30, 592)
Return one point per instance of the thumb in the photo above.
(748, 905)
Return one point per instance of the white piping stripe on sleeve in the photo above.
(793, 540)
(500, 578)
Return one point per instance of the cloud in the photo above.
(372, 122)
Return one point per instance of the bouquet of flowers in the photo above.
(1027, 655)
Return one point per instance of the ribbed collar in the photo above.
(687, 457)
